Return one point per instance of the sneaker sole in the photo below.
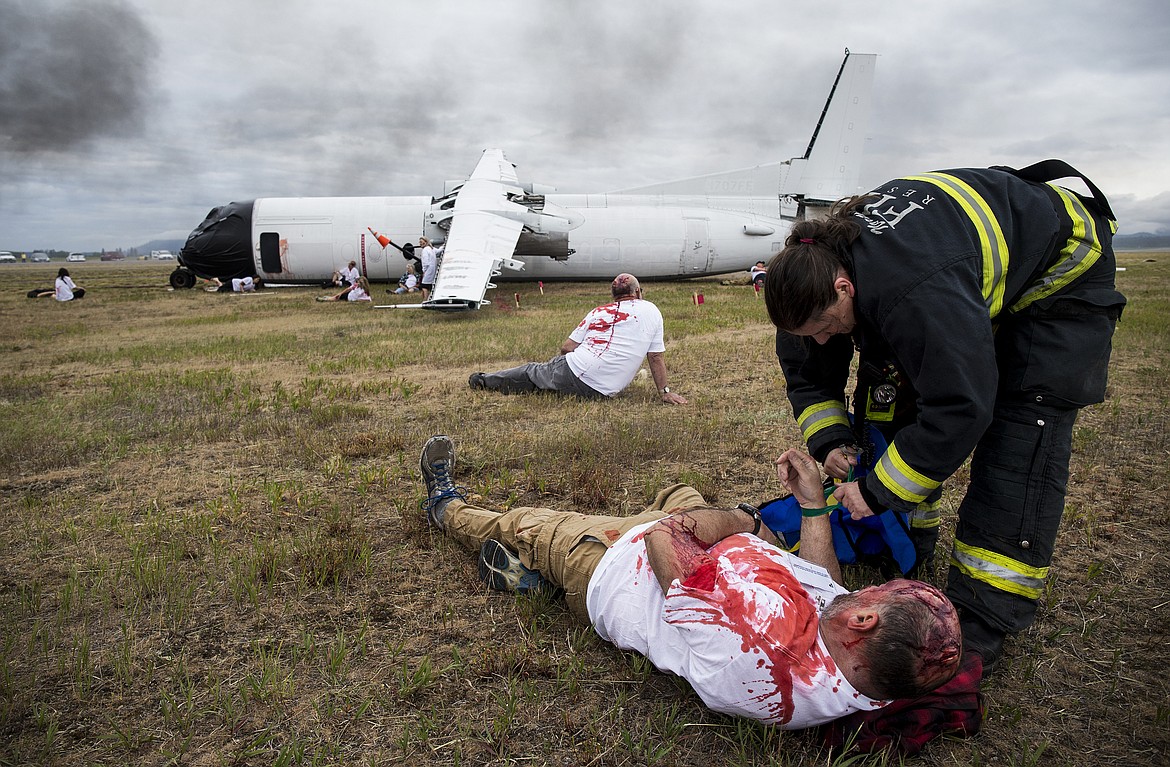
(501, 570)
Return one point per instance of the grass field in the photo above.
(211, 551)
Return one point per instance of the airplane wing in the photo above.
(482, 238)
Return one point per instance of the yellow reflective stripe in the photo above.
(820, 416)
(1078, 254)
(991, 240)
(897, 476)
(926, 516)
(998, 571)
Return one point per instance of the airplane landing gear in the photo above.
(182, 279)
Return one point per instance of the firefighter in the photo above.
(982, 305)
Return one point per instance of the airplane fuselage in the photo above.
(495, 228)
(306, 239)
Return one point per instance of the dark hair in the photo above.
(799, 282)
(62, 272)
(911, 652)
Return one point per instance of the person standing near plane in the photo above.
(982, 303)
(602, 354)
(430, 266)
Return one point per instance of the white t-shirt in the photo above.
(612, 342)
(350, 275)
(356, 293)
(430, 263)
(747, 641)
(243, 285)
(64, 289)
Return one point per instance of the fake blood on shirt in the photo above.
(782, 628)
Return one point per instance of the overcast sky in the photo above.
(127, 120)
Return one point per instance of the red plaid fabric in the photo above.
(907, 725)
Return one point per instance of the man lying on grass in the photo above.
(706, 594)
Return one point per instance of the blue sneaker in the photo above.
(435, 463)
(501, 570)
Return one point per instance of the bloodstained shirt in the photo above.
(744, 636)
(613, 339)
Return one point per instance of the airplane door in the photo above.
(696, 255)
(296, 250)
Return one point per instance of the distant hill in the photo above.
(173, 246)
(1141, 241)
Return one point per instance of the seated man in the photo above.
(704, 593)
(601, 356)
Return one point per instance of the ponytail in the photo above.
(799, 283)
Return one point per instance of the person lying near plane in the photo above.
(708, 594)
(602, 354)
(359, 291)
(238, 285)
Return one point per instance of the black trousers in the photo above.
(1053, 359)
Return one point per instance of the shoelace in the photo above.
(442, 483)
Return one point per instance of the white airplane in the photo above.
(713, 224)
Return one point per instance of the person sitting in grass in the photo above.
(601, 356)
(359, 291)
(708, 594)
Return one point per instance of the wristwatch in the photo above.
(666, 390)
(754, 513)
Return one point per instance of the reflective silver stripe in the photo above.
(820, 416)
(901, 480)
(991, 240)
(1078, 254)
(927, 515)
(998, 571)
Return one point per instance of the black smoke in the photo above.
(71, 71)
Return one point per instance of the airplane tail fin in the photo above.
(830, 167)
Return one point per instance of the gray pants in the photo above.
(554, 375)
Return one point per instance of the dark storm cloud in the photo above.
(70, 72)
(607, 71)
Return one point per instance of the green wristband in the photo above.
(818, 512)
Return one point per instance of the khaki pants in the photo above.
(565, 547)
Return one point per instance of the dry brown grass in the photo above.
(211, 552)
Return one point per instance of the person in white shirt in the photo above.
(758, 273)
(238, 285)
(407, 283)
(602, 354)
(707, 594)
(348, 275)
(65, 289)
(359, 291)
(429, 257)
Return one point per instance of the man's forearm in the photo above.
(816, 544)
(677, 545)
(657, 369)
